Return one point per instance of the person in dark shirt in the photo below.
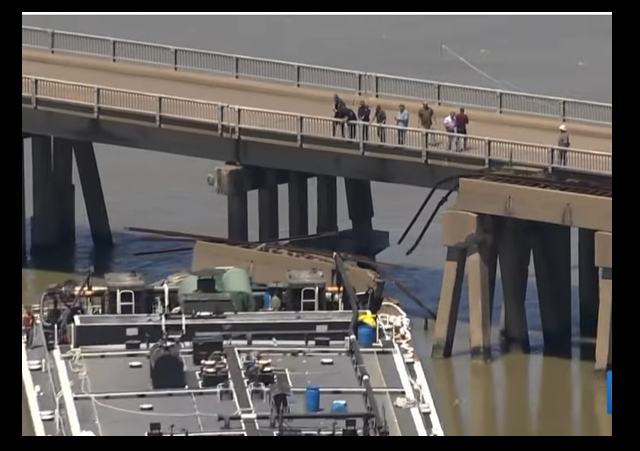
(351, 121)
(338, 106)
(364, 115)
(380, 117)
(427, 117)
(462, 126)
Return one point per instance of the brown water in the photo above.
(516, 395)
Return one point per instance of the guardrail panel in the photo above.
(144, 53)
(51, 89)
(126, 100)
(205, 62)
(324, 77)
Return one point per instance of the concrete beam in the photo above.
(231, 180)
(347, 162)
(536, 204)
(604, 249)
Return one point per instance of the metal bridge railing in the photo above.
(239, 121)
(361, 83)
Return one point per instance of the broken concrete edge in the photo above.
(232, 180)
(153, 71)
(271, 265)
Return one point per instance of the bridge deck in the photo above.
(249, 94)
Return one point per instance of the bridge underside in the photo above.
(479, 244)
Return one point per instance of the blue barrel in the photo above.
(366, 336)
(340, 407)
(313, 399)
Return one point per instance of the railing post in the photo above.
(376, 86)
(298, 80)
(563, 110)
(236, 67)
(34, 93)
(300, 126)
(360, 81)
(222, 113)
(174, 59)
(488, 156)
(439, 94)
(361, 126)
(425, 147)
(238, 122)
(159, 111)
(52, 41)
(552, 159)
(114, 51)
(96, 102)
(500, 96)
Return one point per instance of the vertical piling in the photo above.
(298, 204)
(93, 194)
(552, 260)
(361, 212)
(43, 225)
(515, 260)
(588, 281)
(269, 207)
(238, 217)
(327, 204)
(64, 191)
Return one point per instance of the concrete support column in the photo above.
(589, 281)
(327, 204)
(43, 225)
(470, 243)
(64, 191)
(552, 260)
(361, 212)
(479, 267)
(515, 259)
(269, 207)
(24, 213)
(238, 217)
(604, 342)
(93, 194)
(298, 204)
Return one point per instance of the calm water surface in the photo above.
(517, 395)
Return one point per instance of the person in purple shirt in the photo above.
(462, 125)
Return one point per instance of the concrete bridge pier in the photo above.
(298, 204)
(327, 204)
(604, 342)
(43, 223)
(238, 217)
(361, 212)
(469, 239)
(514, 247)
(269, 207)
(552, 262)
(64, 191)
(588, 283)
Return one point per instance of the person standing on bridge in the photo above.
(380, 116)
(28, 323)
(364, 116)
(338, 106)
(427, 116)
(402, 121)
(564, 142)
(351, 122)
(462, 128)
(450, 128)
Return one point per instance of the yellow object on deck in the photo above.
(369, 319)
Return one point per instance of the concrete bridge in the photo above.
(82, 89)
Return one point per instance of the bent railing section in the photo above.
(386, 141)
(296, 74)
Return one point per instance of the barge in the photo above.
(215, 353)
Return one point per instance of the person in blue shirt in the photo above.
(402, 121)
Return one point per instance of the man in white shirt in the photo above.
(450, 127)
(402, 121)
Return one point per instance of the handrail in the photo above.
(419, 144)
(299, 75)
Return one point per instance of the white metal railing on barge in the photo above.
(300, 75)
(481, 152)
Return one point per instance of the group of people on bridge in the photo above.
(456, 124)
